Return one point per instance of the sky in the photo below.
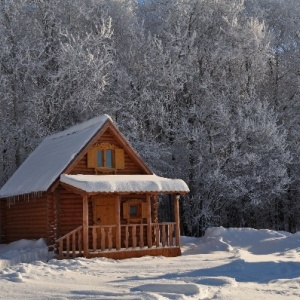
(228, 264)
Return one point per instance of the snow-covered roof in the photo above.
(125, 183)
(50, 158)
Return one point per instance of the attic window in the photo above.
(105, 157)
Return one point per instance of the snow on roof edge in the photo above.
(125, 183)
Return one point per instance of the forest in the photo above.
(205, 90)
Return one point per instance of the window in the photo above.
(134, 210)
(105, 157)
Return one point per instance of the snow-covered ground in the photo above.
(225, 264)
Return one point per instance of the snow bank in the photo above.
(262, 241)
(23, 251)
(224, 264)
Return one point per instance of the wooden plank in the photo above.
(118, 222)
(73, 245)
(80, 241)
(141, 236)
(133, 236)
(177, 219)
(109, 235)
(170, 234)
(149, 229)
(60, 249)
(157, 235)
(168, 252)
(126, 236)
(94, 235)
(85, 229)
(163, 235)
(102, 239)
(68, 246)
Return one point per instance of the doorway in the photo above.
(104, 215)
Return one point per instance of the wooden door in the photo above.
(104, 214)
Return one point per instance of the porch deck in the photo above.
(105, 241)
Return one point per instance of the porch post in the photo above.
(85, 223)
(118, 222)
(177, 219)
(149, 229)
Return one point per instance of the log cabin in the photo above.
(88, 193)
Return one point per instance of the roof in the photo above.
(45, 164)
(125, 183)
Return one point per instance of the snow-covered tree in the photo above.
(56, 60)
(207, 90)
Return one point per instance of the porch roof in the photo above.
(125, 183)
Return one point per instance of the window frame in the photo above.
(104, 159)
(116, 162)
(141, 210)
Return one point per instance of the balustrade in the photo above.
(132, 237)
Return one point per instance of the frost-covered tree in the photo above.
(282, 86)
(56, 60)
(217, 59)
(207, 90)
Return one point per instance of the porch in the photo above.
(140, 240)
(120, 217)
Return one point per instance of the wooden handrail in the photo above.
(69, 233)
(135, 236)
(102, 226)
(76, 232)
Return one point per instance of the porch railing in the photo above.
(126, 237)
(134, 236)
(71, 243)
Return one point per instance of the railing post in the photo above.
(157, 235)
(118, 223)
(149, 229)
(73, 244)
(80, 241)
(109, 237)
(60, 249)
(95, 237)
(103, 238)
(163, 234)
(126, 237)
(68, 246)
(177, 219)
(141, 236)
(133, 236)
(171, 231)
(85, 229)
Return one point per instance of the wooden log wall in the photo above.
(51, 220)
(26, 219)
(69, 211)
(107, 137)
(2, 221)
